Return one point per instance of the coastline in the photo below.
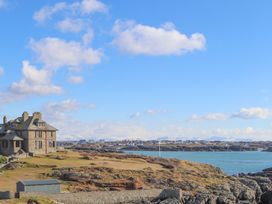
(81, 171)
(230, 162)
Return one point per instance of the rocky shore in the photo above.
(200, 183)
(82, 172)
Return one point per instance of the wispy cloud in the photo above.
(71, 25)
(253, 113)
(2, 3)
(72, 129)
(208, 117)
(134, 38)
(59, 110)
(76, 79)
(47, 12)
(135, 115)
(83, 7)
(147, 112)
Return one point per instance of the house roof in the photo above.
(39, 182)
(31, 124)
(11, 135)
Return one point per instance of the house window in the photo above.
(52, 134)
(38, 134)
(54, 144)
(38, 144)
(17, 144)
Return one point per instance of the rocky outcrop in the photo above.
(200, 183)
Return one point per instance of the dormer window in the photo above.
(41, 124)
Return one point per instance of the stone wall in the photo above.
(6, 195)
(109, 197)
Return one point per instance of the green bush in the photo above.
(2, 159)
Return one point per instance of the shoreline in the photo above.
(81, 171)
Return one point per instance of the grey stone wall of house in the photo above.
(38, 136)
(10, 149)
(46, 138)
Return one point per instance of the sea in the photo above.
(230, 162)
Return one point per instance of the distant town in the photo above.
(166, 145)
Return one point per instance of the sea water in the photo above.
(230, 162)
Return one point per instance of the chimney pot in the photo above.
(37, 115)
(25, 116)
(4, 119)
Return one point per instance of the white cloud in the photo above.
(9, 97)
(2, 3)
(46, 12)
(87, 37)
(79, 7)
(59, 110)
(76, 79)
(71, 25)
(34, 81)
(209, 117)
(73, 129)
(166, 40)
(147, 112)
(90, 6)
(55, 53)
(135, 115)
(253, 113)
(155, 111)
(1, 71)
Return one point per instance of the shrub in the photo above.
(2, 159)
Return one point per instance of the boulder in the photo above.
(266, 198)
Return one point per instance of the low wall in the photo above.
(6, 195)
(108, 197)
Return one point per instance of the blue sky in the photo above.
(139, 69)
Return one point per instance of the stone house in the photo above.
(27, 134)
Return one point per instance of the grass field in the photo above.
(38, 167)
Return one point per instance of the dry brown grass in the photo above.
(40, 199)
(44, 164)
(150, 172)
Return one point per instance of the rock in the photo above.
(170, 201)
(223, 200)
(252, 184)
(247, 195)
(56, 173)
(266, 198)
(264, 182)
(171, 193)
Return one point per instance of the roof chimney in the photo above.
(37, 115)
(4, 119)
(25, 116)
